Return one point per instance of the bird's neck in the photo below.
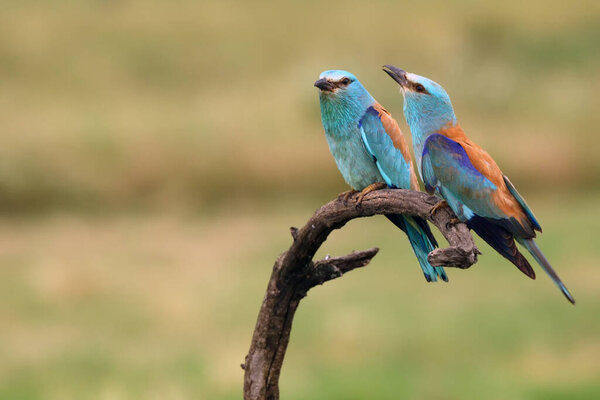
(340, 113)
(424, 124)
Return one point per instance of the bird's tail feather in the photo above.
(420, 235)
(535, 251)
(502, 241)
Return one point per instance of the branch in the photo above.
(294, 272)
(331, 268)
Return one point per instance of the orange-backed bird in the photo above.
(466, 177)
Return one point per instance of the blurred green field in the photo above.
(164, 306)
(153, 155)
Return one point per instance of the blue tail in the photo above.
(422, 241)
(541, 259)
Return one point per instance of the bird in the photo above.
(371, 153)
(466, 177)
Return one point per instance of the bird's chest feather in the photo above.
(354, 162)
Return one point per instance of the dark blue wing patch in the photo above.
(449, 146)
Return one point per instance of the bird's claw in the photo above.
(437, 206)
(369, 189)
(344, 196)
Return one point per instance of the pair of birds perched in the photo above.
(371, 153)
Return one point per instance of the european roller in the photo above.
(466, 177)
(371, 153)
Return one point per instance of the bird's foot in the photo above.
(438, 205)
(344, 196)
(369, 189)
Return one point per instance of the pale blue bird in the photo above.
(466, 177)
(371, 153)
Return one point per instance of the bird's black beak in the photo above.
(324, 84)
(397, 74)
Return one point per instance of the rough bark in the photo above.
(294, 272)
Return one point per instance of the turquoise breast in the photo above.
(354, 162)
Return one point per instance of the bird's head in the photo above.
(336, 83)
(343, 89)
(427, 106)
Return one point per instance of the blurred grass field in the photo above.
(164, 306)
(153, 155)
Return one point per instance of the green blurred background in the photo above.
(154, 153)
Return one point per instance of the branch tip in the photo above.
(294, 232)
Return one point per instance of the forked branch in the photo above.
(295, 273)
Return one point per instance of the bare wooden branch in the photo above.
(334, 267)
(294, 272)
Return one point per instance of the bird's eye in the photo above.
(420, 88)
(345, 81)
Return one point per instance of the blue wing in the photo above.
(448, 170)
(395, 168)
